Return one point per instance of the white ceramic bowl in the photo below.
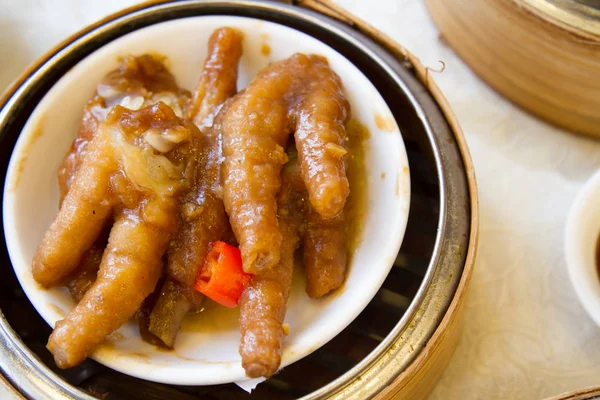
(581, 239)
(206, 351)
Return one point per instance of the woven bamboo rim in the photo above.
(544, 55)
(582, 394)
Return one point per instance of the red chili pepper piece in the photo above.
(222, 278)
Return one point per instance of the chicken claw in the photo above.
(300, 94)
(80, 220)
(264, 302)
(325, 253)
(219, 76)
(126, 174)
(128, 273)
(138, 78)
(204, 219)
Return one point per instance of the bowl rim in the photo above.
(580, 272)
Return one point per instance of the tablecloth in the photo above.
(525, 334)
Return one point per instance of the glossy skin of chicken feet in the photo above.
(324, 253)
(263, 304)
(135, 79)
(123, 175)
(300, 95)
(203, 217)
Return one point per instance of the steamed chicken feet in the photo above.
(126, 175)
(264, 302)
(203, 218)
(156, 176)
(300, 95)
(324, 252)
(138, 81)
(138, 78)
(84, 276)
(219, 76)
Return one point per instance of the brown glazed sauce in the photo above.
(265, 49)
(356, 206)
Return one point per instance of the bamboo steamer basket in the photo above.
(400, 345)
(592, 393)
(544, 55)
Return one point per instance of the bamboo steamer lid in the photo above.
(544, 55)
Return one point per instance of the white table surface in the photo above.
(525, 336)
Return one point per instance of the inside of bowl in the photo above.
(324, 365)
